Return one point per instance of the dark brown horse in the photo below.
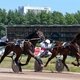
(70, 49)
(27, 49)
(76, 41)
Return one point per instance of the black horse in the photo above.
(28, 48)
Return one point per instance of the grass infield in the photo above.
(7, 62)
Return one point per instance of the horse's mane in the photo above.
(30, 36)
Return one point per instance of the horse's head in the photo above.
(76, 39)
(37, 34)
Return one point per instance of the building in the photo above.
(25, 9)
(54, 32)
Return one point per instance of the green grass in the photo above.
(7, 62)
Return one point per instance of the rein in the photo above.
(33, 39)
(29, 39)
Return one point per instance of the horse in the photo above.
(69, 49)
(27, 49)
(76, 41)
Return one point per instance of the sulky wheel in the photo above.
(37, 67)
(15, 67)
(59, 65)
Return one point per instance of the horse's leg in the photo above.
(78, 54)
(35, 57)
(17, 58)
(30, 54)
(18, 52)
(77, 59)
(17, 61)
(7, 51)
(63, 61)
(52, 56)
(27, 61)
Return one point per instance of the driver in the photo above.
(18, 42)
(45, 47)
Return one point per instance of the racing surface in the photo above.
(8, 74)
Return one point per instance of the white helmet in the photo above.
(48, 41)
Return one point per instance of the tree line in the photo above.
(31, 18)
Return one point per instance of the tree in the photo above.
(10, 17)
(58, 18)
(3, 16)
(18, 18)
(30, 17)
(2, 30)
(70, 19)
(43, 17)
(77, 16)
(49, 18)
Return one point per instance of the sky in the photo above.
(70, 6)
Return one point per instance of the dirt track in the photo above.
(8, 74)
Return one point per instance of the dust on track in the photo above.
(8, 74)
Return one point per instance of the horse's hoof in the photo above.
(20, 69)
(44, 65)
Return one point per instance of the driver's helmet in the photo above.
(47, 41)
